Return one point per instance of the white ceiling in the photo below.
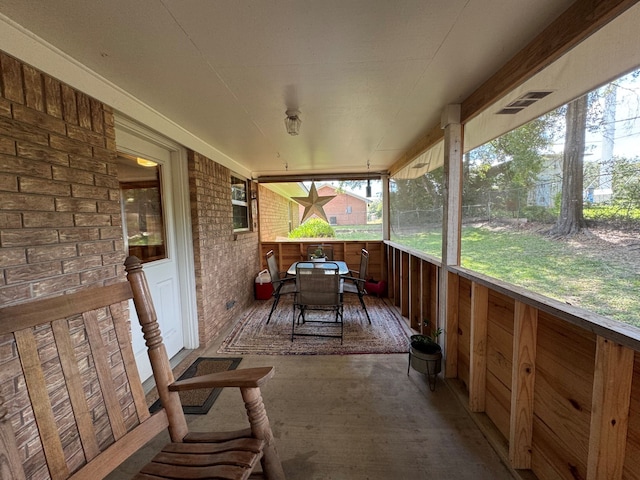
(369, 76)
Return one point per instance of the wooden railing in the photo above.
(557, 388)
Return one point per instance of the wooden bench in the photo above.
(72, 405)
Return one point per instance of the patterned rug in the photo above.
(252, 335)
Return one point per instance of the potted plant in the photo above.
(425, 355)
(318, 255)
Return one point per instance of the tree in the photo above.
(417, 200)
(571, 219)
(509, 165)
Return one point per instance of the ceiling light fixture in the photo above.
(143, 162)
(292, 122)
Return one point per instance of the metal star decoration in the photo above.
(313, 204)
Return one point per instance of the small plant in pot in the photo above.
(425, 355)
(318, 255)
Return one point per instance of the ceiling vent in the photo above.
(524, 101)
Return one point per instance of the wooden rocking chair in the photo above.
(72, 405)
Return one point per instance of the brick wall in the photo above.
(275, 213)
(225, 263)
(60, 223)
(60, 220)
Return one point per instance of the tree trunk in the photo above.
(571, 219)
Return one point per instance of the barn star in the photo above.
(313, 204)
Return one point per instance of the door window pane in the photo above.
(142, 204)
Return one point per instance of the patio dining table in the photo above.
(343, 268)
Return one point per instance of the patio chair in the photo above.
(327, 250)
(354, 282)
(282, 285)
(318, 287)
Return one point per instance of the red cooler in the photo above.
(263, 287)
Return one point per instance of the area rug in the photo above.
(199, 401)
(386, 334)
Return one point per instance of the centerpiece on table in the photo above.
(318, 255)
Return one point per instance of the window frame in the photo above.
(235, 180)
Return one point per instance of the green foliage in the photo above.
(616, 212)
(416, 200)
(375, 209)
(535, 213)
(626, 182)
(313, 228)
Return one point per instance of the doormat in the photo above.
(200, 400)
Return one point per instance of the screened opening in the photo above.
(351, 210)
(416, 209)
(554, 206)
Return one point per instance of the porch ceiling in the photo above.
(370, 77)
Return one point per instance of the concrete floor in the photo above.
(355, 417)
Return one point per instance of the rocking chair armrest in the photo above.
(243, 378)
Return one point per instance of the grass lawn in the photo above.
(582, 277)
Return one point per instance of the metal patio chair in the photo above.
(354, 282)
(318, 287)
(282, 285)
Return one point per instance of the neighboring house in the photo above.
(549, 183)
(277, 213)
(346, 208)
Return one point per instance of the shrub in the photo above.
(313, 228)
(535, 213)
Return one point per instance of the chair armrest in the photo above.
(283, 281)
(353, 279)
(243, 378)
(354, 273)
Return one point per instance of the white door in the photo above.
(167, 273)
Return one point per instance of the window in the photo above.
(142, 205)
(240, 203)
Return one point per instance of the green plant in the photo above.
(427, 343)
(433, 335)
(313, 228)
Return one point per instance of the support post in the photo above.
(523, 375)
(609, 410)
(478, 350)
(386, 211)
(451, 226)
